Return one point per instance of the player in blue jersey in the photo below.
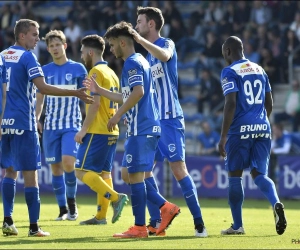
(21, 149)
(62, 121)
(162, 58)
(3, 81)
(143, 127)
(246, 134)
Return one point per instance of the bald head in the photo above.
(232, 49)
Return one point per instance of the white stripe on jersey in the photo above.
(61, 112)
(135, 122)
(158, 98)
(31, 105)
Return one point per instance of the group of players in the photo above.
(150, 107)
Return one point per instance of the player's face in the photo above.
(142, 26)
(115, 47)
(56, 48)
(31, 38)
(86, 57)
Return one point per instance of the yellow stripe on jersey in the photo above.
(106, 78)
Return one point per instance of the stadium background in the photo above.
(198, 29)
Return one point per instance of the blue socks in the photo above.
(59, 188)
(266, 185)
(138, 201)
(8, 196)
(152, 208)
(71, 185)
(189, 191)
(33, 203)
(235, 200)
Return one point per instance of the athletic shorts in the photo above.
(247, 153)
(171, 144)
(57, 143)
(20, 149)
(96, 153)
(139, 153)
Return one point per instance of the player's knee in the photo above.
(10, 173)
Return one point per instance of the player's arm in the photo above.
(228, 114)
(3, 104)
(269, 103)
(92, 85)
(161, 54)
(134, 97)
(39, 109)
(47, 89)
(90, 116)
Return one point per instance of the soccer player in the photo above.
(21, 149)
(246, 134)
(143, 127)
(162, 58)
(98, 144)
(62, 121)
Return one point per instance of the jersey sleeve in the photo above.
(268, 85)
(32, 66)
(169, 46)
(228, 81)
(4, 72)
(134, 73)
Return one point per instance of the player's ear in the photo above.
(65, 46)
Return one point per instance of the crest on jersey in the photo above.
(69, 77)
(129, 158)
(132, 72)
(171, 147)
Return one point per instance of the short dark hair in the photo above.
(119, 29)
(52, 34)
(94, 42)
(154, 14)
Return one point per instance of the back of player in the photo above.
(246, 135)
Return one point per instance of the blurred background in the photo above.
(270, 31)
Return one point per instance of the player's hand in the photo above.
(39, 127)
(221, 147)
(91, 84)
(81, 93)
(113, 122)
(136, 36)
(79, 136)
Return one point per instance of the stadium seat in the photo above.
(188, 82)
(189, 100)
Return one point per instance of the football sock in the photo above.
(33, 203)
(189, 191)
(152, 208)
(8, 196)
(267, 186)
(235, 200)
(103, 203)
(138, 201)
(154, 196)
(59, 189)
(97, 184)
(71, 184)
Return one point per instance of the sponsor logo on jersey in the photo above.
(11, 131)
(157, 71)
(35, 71)
(135, 78)
(132, 72)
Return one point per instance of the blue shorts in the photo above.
(247, 153)
(171, 144)
(20, 150)
(57, 143)
(139, 153)
(96, 153)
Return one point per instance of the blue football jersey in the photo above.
(22, 67)
(3, 78)
(143, 118)
(63, 112)
(166, 80)
(251, 83)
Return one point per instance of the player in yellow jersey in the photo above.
(97, 145)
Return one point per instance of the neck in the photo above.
(97, 59)
(128, 53)
(153, 36)
(60, 61)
